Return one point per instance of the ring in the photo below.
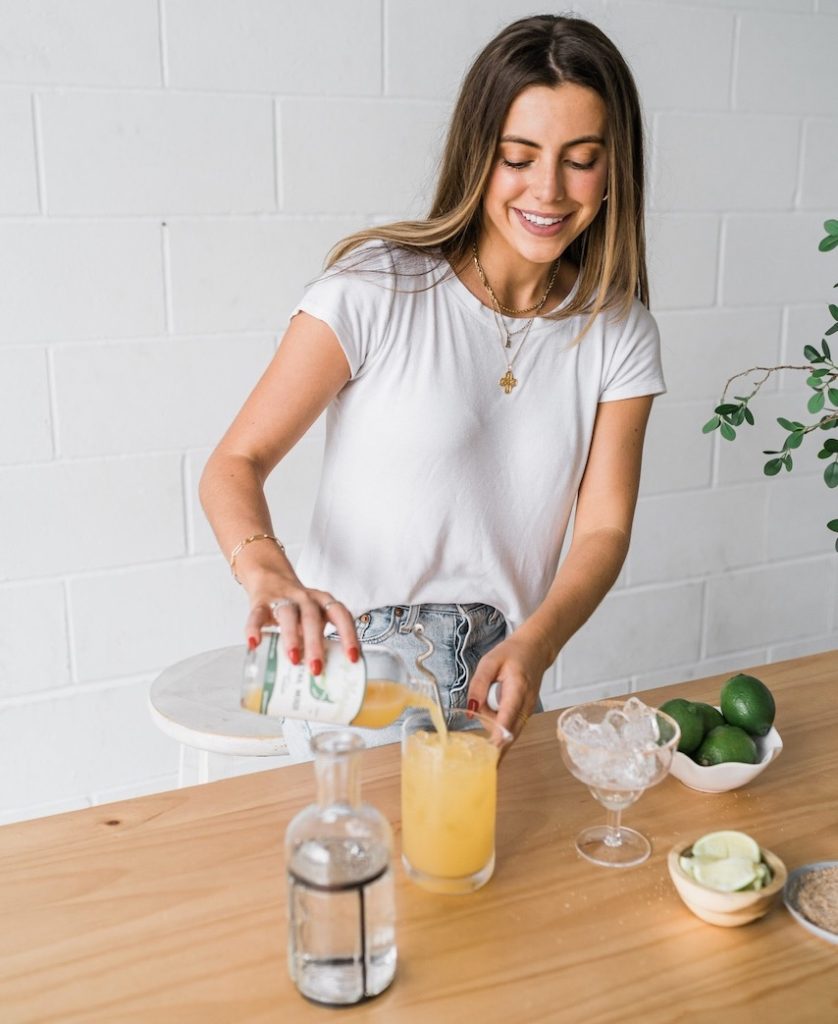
(281, 603)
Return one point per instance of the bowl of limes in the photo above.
(725, 878)
(726, 746)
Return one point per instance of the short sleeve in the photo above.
(634, 368)
(355, 303)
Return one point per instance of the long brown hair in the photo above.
(542, 50)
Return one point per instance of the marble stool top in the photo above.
(196, 702)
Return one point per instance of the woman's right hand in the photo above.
(301, 615)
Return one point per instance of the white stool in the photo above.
(196, 702)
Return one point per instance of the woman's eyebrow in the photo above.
(598, 139)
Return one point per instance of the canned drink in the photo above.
(272, 685)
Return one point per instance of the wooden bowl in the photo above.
(727, 909)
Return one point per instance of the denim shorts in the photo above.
(461, 635)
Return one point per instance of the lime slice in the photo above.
(720, 845)
(686, 865)
(727, 875)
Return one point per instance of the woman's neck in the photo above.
(517, 284)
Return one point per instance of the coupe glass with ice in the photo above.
(618, 748)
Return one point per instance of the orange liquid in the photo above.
(385, 700)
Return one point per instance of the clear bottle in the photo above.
(341, 909)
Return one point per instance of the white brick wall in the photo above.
(174, 171)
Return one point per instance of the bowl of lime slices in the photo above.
(726, 878)
(726, 746)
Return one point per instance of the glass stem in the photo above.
(612, 824)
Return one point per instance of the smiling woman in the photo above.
(485, 369)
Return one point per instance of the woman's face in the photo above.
(551, 163)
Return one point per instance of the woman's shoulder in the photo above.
(383, 261)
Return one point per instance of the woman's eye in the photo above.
(582, 167)
(515, 166)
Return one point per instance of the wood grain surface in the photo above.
(171, 908)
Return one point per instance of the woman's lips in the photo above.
(543, 230)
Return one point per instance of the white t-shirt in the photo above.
(437, 487)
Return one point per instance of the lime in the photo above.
(726, 743)
(711, 716)
(747, 702)
(718, 845)
(727, 875)
(689, 721)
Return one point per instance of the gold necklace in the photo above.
(508, 309)
(508, 381)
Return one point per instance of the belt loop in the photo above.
(409, 620)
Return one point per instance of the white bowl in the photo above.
(719, 778)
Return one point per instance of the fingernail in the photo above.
(294, 656)
(316, 666)
(353, 654)
(472, 704)
(252, 643)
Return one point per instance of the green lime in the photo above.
(728, 875)
(689, 720)
(720, 845)
(747, 702)
(711, 716)
(726, 743)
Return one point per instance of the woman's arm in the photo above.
(601, 531)
(306, 373)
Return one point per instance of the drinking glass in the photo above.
(618, 748)
(449, 795)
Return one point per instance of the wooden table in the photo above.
(171, 908)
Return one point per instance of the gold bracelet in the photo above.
(242, 544)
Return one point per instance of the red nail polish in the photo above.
(472, 704)
(353, 654)
(294, 656)
(316, 667)
(252, 643)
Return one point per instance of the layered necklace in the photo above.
(508, 381)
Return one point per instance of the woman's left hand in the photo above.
(519, 666)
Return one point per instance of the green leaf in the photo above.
(749, 416)
(813, 381)
(831, 227)
(824, 371)
(834, 311)
(787, 462)
(794, 440)
(816, 402)
(824, 454)
(810, 353)
(786, 424)
(738, 418)
(828, 244)
(832, 330)
(710, 425)
(832, 395)
(773, 467)
(727, 409)
(831, 445)
(827, 424)
(728, 433)
(832, 525)
(830, 474)
(824, 345)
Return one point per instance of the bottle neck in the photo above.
(337, 767)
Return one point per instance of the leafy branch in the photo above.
(822, 380)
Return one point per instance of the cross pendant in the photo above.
(507, 381)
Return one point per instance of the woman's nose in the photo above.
(548, 187)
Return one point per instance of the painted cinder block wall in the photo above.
(174, 171)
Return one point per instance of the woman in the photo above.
(484, 370)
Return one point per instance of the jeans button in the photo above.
(399, 612)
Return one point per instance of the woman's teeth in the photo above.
(544, 221)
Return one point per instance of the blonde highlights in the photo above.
(543, 50)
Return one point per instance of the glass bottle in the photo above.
(341, 909)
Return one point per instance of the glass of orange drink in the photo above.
(449, 797)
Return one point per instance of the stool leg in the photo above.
(203, 766)
(181, 767)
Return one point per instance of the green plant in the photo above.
(822, 379)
